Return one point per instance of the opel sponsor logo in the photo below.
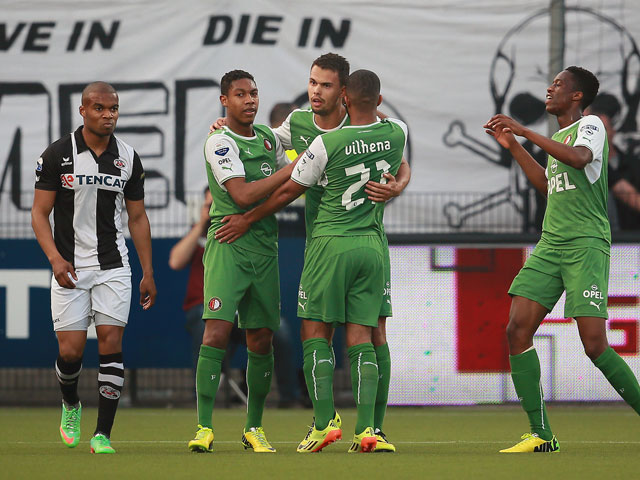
(266, 169)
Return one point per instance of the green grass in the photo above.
(443, 442)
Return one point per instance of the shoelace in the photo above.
(259, 434)
(202, 433)
(311, 427)
(72, 418)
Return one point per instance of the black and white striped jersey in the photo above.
(87, 213)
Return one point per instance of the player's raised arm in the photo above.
(574, 156)
(503, 134)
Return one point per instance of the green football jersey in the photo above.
(345, 160)
(297, 132)
(576, 213)
(229, 155)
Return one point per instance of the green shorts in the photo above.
(385, 310)
(237, 279)
(583, 273)
(342, 279)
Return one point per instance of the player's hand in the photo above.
(234, 227)
(506, 123)
(64, 272)
(148, 292)
(218, 124)
(502, 135)
(383, 192)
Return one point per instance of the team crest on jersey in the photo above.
(118, 162)
(39, 165)
(221, 150)
(266, 169)
(267, 144)
(567, 140)
(66, 180)
(554, 166)
(215, 304)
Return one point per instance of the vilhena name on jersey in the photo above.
(344, 161)
(359, 147)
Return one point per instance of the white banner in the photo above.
(445, 66)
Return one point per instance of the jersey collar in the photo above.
(82, 146)
(344, 120)
(234, 134)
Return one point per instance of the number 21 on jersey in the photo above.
(364, 172)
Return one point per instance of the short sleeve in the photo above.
(47, 172)
(403, 126)
(311, 165)
(222, 155)
(591, 134)
(283, 133)
(282, 159)
(134, 189)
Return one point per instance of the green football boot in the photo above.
(70, 425)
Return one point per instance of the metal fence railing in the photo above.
(425, 215)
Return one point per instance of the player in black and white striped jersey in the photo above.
(85, 177)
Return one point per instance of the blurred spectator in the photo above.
(623, 171)
(188, 252)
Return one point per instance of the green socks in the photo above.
(364, 381)
(383, 358)
(318, 374)
(259, 374)
(207, 381)
(620, 376)
(525, 372)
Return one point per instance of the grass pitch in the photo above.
(439, 442)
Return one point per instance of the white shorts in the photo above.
(97, 291)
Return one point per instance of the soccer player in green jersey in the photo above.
(241, 160)
(327, 113)
(344, 263)
(573, 252)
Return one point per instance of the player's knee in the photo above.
(71, 353)
(594, 346)
(260, 343)
(518, 337)
(379, 337)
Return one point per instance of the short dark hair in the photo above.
(585, 82)
(100, 87)
(336, 63)
(605, 104)
(230, 77)
(363, 88)
(280, 111)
